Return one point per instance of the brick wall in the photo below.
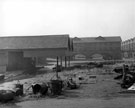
(109, 50)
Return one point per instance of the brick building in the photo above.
(103, 47)
(128, 48)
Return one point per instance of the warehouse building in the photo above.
(98, 47)
(21, 52)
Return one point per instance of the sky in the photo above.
(78, 18)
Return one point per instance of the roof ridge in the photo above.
(35, 36)
(101, 36)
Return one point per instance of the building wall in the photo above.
(3, 61)
(41, 61)
(23, 59)
(109, 50)
(16, 61)
(128, 48)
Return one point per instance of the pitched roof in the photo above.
(33, 42)
(97, 39)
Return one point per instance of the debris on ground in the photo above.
(9, 90)
(71, 84)
(92, 79)
(95, 64)
(2, 77)
(84, 82)
(132, 88)
(6, 95)
(126, 75)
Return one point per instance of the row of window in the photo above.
(128, 45)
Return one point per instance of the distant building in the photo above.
(100, 47)
(19, 52)
(128, 48)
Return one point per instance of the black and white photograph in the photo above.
(67, 53)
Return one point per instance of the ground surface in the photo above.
(75, 103)
(101, 92)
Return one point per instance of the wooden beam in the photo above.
(69, 61)
(61, 61)
(57, 67)
(65, 62)
(125, 71)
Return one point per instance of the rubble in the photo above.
(2, 76)
(48, 85)
(95, 64)
(6, 95)
(127, 76)
(9, 90)
(71, 84)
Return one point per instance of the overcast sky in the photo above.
(78, 18)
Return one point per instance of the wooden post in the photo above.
(57, 61)
(61, 62)
(124, 74)
(57, 67)
(65, 62)
(69, 61)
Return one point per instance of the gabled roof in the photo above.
(34, 42)
(98, 39)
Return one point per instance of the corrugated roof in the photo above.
(33, 42)
(98, 39)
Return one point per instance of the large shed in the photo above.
(18, 52)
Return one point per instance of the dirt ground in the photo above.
(101, 91)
